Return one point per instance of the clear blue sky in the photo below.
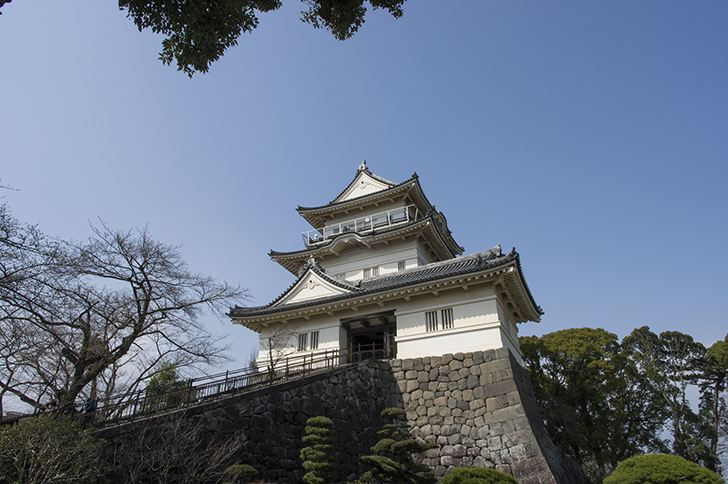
(592, 136)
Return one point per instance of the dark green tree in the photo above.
(49, 450)
(198, 32)
(319, 456)
(392, 461)
(713, 380)
(165, 389)
(597, 406)
(661, 469)
(671, 362)
(477, 475)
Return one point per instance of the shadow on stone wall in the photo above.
(478, 406)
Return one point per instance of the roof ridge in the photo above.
(334, 202)
(459, 265)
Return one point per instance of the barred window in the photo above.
(401, 265)
(371, 272)
(314, 340)
(302, 341)
(447, 319)
(431, 320)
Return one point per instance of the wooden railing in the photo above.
(204, 389)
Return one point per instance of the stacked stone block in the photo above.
(271, 420)
(480, 414)
(479, 408)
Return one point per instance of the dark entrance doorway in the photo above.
(371, 336)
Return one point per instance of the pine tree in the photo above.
(392, 462)
(318, 456)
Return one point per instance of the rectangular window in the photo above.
(314, 340)
(431, 320)
(447, 319)
(367, 273)
(401, 265)
(375, 271)
(302, 341)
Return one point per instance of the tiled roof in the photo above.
(316, 267)
(328, 242)
(489, 259)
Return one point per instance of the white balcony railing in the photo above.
(363, 225)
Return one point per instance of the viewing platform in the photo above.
(364, 225)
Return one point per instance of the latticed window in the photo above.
(401, 265)
(371, 272)
(314, 340)
(431, 320)
(447, 319)
(302, 341)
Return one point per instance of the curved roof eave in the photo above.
(316, 268)
(480, 262)
(535, 307)
(354, 201)
(451, 247)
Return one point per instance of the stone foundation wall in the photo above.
(478, 406)
(271, 420)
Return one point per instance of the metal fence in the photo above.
(141, 404)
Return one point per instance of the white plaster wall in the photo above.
(327, 326)
(313, 287)
(459, 340)
(352, 263)
(479, 323)
(363, 185)
(470, 308)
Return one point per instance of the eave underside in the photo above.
(507, 280)
(432, 240)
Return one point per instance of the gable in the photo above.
(310, 286)
(363, 184)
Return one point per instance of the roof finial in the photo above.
(363, 165)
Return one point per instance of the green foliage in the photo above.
(49, 450)
(319, 458)
(198, 33)
(241, 473)
(713, 407)
(344, 17)
(670, 361)
(661, 469)
(392, 462)
(164, 389)
(477, 475)
(596, 404)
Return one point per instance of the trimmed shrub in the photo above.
(661, 469)
(477, 475)
(318, 456)
(241, 473)
(393, 462)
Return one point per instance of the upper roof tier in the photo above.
(367, 190)
(372, 210)
(317, 291)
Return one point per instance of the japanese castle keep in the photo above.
(382, 284)
(380, 272)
